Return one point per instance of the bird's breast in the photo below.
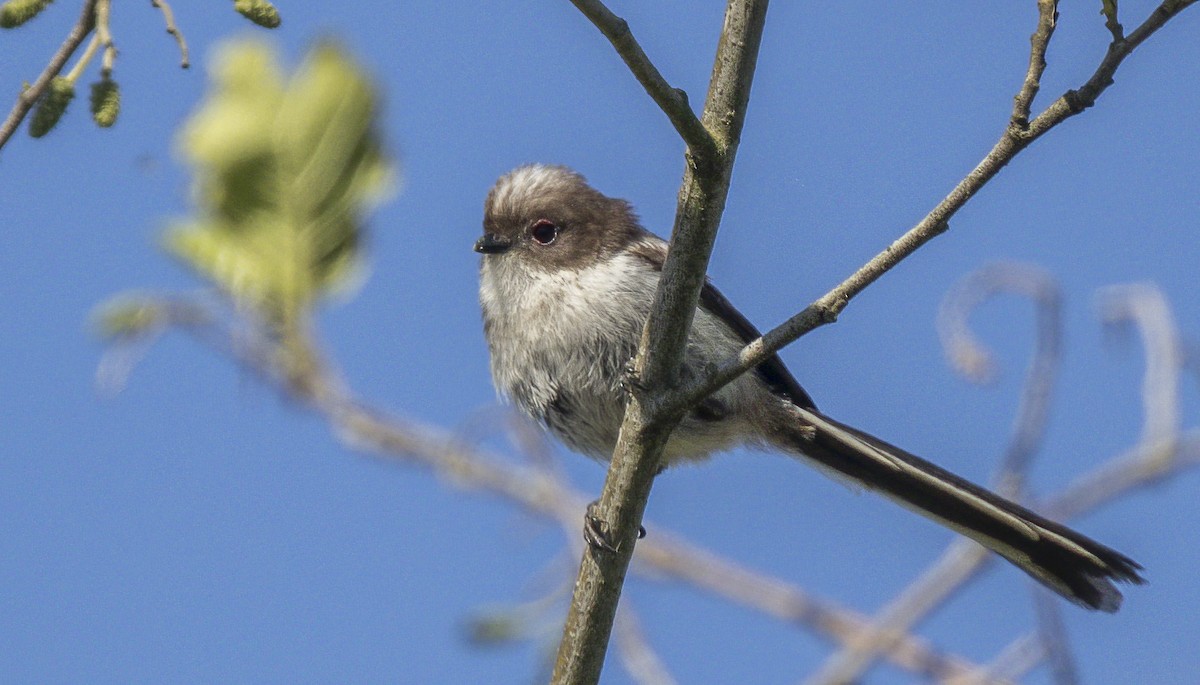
(560, 342)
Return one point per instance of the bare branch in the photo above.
(1033, 409)
(677, 559)
(1109, 9)
(645, 430)
(29, 97)
(103, 32)
(826, 309)
(169, 18)
(1145, 306)
(1039, 41)
(1075, 101)
(1018, 658)
(936, 585)
(540, 490)
(672, 101)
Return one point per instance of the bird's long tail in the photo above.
(1073, 565)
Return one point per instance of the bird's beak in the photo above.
(491, 243)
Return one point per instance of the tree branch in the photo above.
(1075, 101)
(950, 573)
(672, 101)
(1159, 452)
(29, 97)
(1047, 21)
(540, 490)
(169, 17)
(645, 430)
(826, 309)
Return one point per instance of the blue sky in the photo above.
(198, 527)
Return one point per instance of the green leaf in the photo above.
(283, 175)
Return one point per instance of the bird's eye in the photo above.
(544, 232)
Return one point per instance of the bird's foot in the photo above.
(596, 531)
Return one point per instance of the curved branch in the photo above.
(672, 101)
(169, 18)
(1145, 306)
(946, 576)
(826, 309)
(29, 97)
(971, 359)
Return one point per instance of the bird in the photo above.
(567, 282)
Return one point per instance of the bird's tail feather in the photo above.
(1073, 565)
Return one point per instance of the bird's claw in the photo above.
(596, 531)
(631, 382)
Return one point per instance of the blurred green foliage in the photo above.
(284, 169)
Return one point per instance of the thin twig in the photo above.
(28, 97)
(969, 357)
(1075, 101)
(1039, 41)
(1109, 9)
(104, 33)
(82, 63)
(826, 309)
(672, 101)
(169, 17)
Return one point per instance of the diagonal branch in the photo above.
(1075, 101)
(826, 309)
(672, 101)
(29, 97)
